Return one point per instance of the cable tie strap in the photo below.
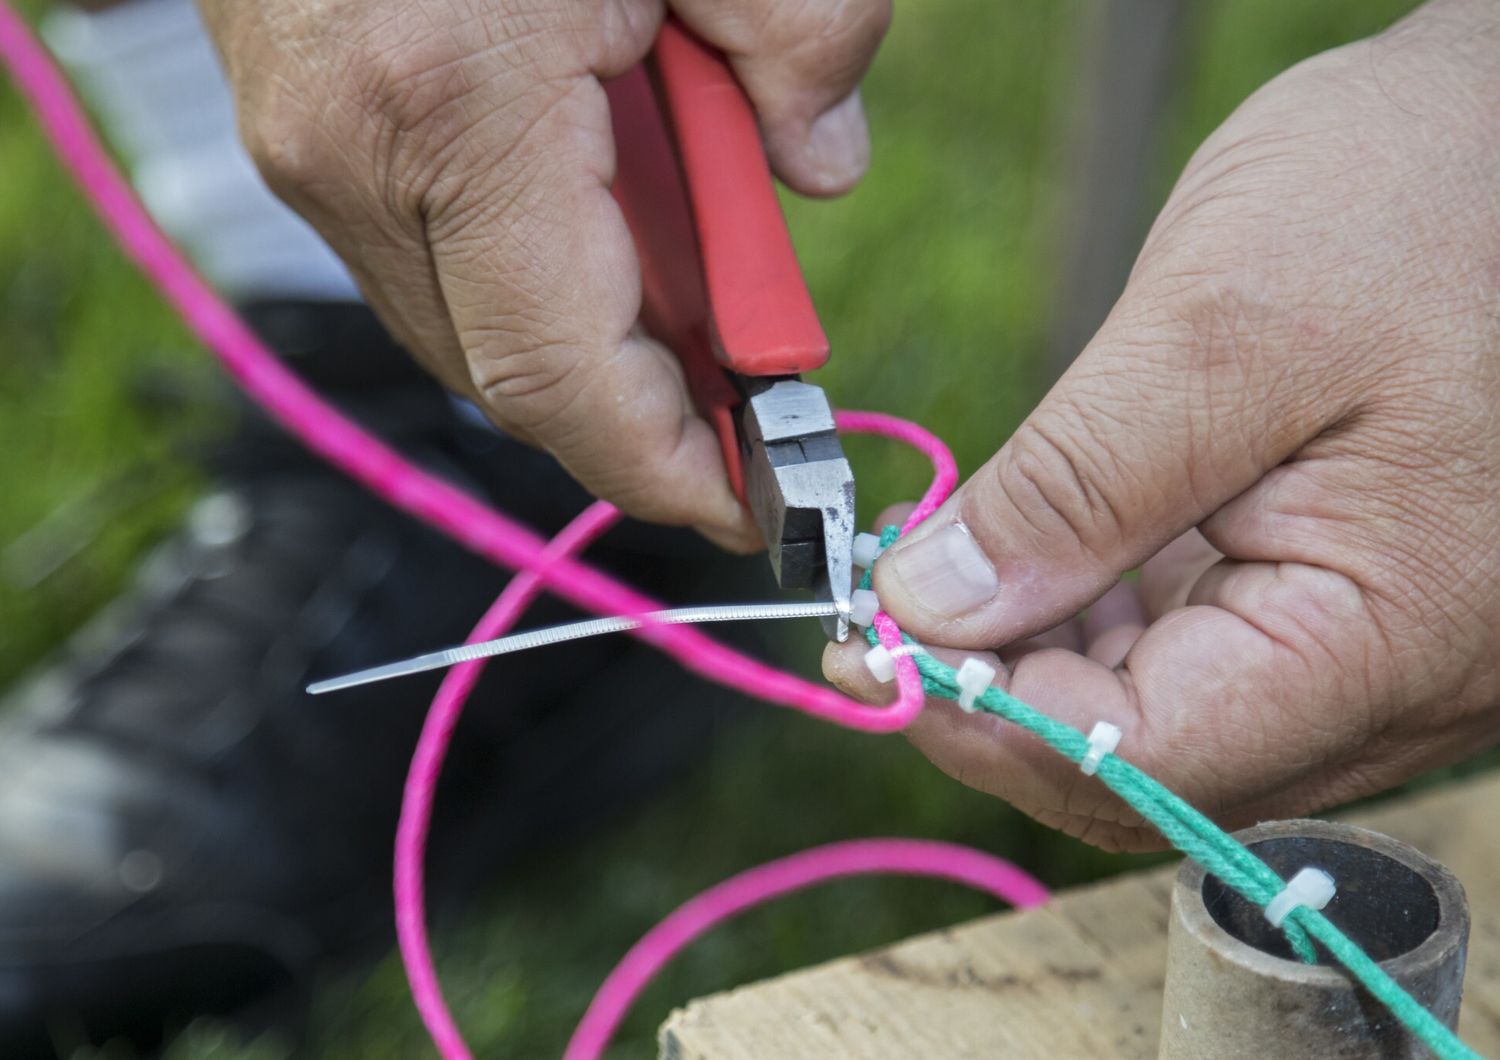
(1103, 739)
(1311, 887)
(974, 677)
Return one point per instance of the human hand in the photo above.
(458, 157)
(1292, 419)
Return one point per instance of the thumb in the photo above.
(1176, 406)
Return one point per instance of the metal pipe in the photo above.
(1234, 989)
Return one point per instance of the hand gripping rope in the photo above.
(550, 567)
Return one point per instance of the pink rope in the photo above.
(906, 857)
(546, 565)
(365, 458)
(621, 988)
(426, 765)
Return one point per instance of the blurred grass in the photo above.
(933, 280)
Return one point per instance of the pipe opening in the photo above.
(1384, 905)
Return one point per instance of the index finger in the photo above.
(539, 275)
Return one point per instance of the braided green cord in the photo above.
(1203, 841)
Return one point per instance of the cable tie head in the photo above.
(1310, 887)
(974, 677)
(1103, 739)
(881, 663)
(863, 604)
(867, 549)
(882, 660)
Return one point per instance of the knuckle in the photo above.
(406, 82)
(406, 67)
(525, 378)
(843, 25)
(1058, 480)
(840, 37)
(458, 98)
(537, 387)
(287, 144)
(477, 169)
(811, 33)
(414, 95)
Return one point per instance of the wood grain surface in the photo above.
(1081, 977)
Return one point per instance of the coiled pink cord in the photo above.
(545, 565)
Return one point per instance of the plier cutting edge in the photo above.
(722, 288)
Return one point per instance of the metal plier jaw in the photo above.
(722, 289)
(801, 490)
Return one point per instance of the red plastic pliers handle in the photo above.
(720, 281)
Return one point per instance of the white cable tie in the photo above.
(1310, 887)
(590, 627)
(867, 549)
(882, 660)
(974, 677)
(881, 663)
(1103, 739)
(863, 604)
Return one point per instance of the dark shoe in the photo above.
(184, 831)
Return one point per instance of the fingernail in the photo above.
(839, 141)
(945, 572)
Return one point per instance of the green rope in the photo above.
(1203, 841)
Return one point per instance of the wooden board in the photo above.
(1081, 977)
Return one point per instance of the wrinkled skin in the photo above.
(1289, 421)
(1292, 420)
(457, 155)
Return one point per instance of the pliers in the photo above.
(722, 288)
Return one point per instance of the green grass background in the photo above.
(933, 279)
